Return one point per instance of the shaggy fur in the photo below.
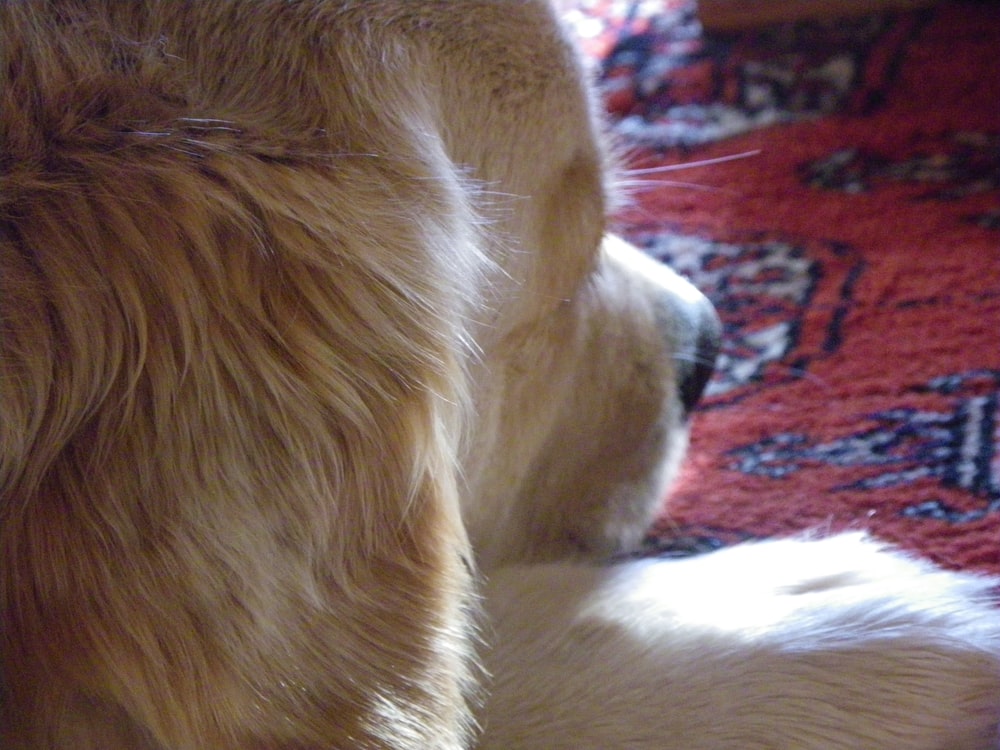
(306, 316)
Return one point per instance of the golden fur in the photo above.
(307, 315)
(229, 438)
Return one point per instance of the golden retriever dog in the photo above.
(323, 392)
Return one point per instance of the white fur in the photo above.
(796, 644)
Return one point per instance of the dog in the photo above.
(325, 392)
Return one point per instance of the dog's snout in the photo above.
(690, 328)
(697, 364)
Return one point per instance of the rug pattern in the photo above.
(854, 256)
(670, 85)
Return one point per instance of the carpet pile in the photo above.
(834, 187)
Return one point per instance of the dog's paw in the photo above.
(796, 644)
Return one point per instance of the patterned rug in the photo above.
(845, 220)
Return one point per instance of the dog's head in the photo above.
(589, 355)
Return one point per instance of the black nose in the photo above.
(697, 363)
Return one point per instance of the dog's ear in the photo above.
(232, 385)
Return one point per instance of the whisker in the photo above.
(692, 164)
(636, 185)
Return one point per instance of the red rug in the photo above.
(854, 257)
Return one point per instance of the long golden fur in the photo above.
(307, 315)
(229, 436)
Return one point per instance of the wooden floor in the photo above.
(722, 15)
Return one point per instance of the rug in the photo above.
(834, 188)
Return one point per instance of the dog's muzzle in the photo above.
(684, 317)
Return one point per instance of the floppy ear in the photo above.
(231, 395)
